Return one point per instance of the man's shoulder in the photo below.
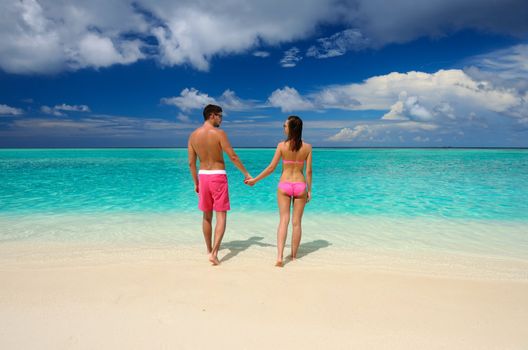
(197, 130)
(219, 133)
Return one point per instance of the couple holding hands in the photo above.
(208, 143)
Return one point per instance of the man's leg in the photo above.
(208, 229)
(220, 226)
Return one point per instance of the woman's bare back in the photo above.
(294, 161)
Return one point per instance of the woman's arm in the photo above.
(309, 174)
(269, 169)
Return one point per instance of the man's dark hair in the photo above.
(211, 109)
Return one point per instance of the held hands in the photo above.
(250, 181)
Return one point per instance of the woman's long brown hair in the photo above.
(295, 125)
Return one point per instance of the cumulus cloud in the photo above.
(231, 102)
(190, 99)
(99, 33)
(98, 51)
(7, 110)
(50, 36)
(448, 99)
(338, 44)
(59, 109)
(381, 92)
(409, 108)
(484, 101)
(291, 58)
(288, 100)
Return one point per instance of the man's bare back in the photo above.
(206, 142)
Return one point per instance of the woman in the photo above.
(293, 186)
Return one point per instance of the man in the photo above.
(208, 143)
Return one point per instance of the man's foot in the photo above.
(214, 260)
(279, 263)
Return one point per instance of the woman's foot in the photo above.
(279, 263)
(214, 260)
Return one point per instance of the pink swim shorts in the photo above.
(292, 189)
(213, 192)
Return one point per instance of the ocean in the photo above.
(464, 201)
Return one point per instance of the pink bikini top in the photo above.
(293, 161)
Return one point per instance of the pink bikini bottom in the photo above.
(292, 189)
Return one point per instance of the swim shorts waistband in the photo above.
(212, 172)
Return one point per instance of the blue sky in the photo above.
(360, 73)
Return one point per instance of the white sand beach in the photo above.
(73, 297)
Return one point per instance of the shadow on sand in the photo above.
(309, 248)
(236, 247)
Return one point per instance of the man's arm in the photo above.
(191, 153)
(226, 147)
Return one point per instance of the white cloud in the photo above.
(7, 110)
(98, 51)
(381, 92)
(461, 105)
(338, 44)
(183, 118)
(261, 54)
(370, 132)
(57, 110)
(421, 139)
(231, 102)
(288, 100)
(52, 111)
(291, 58)
(99, 126)
(74, 108)
(194, 32)
(51, 36)
(409, 108)
(507, 68)
(189, 99)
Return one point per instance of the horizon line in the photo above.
(272, 147)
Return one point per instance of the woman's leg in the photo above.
(284, 202)
(298, 209)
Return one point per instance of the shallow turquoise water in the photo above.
(446, 183)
